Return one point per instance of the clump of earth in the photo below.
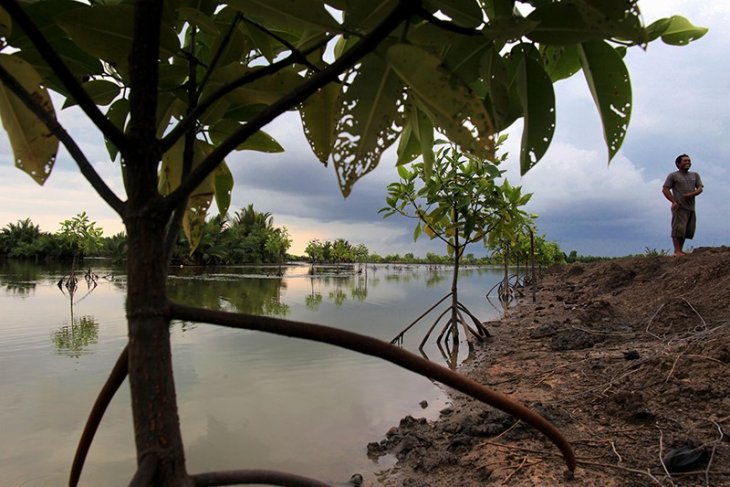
(629, 358)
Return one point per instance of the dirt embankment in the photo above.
(629, 358)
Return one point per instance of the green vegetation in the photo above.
(457, 200)
(249, 237)
(187, 83)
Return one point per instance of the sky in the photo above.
(681, 104)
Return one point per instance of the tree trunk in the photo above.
(454, 288)
(154, 405)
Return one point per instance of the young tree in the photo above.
(84, 237)
(186, 83)
(277, 243)
(457, 201)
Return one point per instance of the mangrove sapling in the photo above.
(457, 200)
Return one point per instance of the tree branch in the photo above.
(191, 118)
(111, 386)
(446, 25)
(49, 120)
(296, 55)
(268, 477)
(386, 351)
(403, 9)
(65, 75)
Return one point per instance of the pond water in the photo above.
(247, 399)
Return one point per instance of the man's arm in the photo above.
(668, 195)
(698, 188)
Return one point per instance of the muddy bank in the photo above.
(629, 358)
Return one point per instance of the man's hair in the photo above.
(679, 158)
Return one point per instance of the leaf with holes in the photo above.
(34, 147)
(538, 105)
(200, 199)
(608, 80)
(370, 120)
(455, 110)
(319, 118)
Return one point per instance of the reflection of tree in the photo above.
(338, 296)
(435, 277)
(402, 277)
(359, 289)
(312, 301)
(19, 278)
(251, 296)
(72, 339)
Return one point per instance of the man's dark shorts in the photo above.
(683, 223)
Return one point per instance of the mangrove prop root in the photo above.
(111, 386)
(384, 350)
(268, 477)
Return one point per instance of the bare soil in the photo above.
(629, 358)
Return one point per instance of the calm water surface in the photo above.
(247, 399)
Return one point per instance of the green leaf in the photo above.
(259, 141)
(498, 8)
(198, 19)
(417, 232)
(608, 80)
(408, 146)
(538, 106)
(501, 99)
(200, 199)
(44, 14)
(91, 29)
(319, 118)
(466, 13)
(117, 114)
(454, 108)
(370, 120)
(463, 58)
(101, 91)
(366, 15)
(560, 62)
(34, 147)
(300, 14)
(172, 76)
(424, 130)
(678, 31)
(264, 90)
(572, 22)
(223, 188)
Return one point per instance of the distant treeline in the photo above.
(243, 239)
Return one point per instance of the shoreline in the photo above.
(628, 358)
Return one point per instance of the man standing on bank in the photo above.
(680, 188)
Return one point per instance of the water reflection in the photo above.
(251, 295)
(356, 285)
(72, 339)
(19, 278)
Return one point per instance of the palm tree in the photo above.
(248, 219)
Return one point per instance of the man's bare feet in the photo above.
(679, 254)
